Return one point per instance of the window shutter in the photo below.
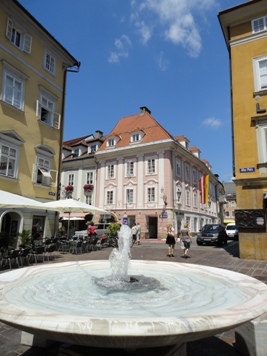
(9, 28)
(34, 173)
(53, 181)
(56, 122)
(27, 45)
(38, 109)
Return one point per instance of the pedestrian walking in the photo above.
(170, 241)
(133, 233)
(185, 240)
(138, 234)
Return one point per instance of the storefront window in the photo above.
(38, 223)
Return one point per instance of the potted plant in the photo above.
(25, 238)
(113, 229)
(69, 188)
(88, 187)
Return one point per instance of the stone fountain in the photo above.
(139, 304)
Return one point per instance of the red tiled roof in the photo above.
(144, 122)
(75, 140)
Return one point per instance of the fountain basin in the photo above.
(62, 302)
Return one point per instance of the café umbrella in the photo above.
(73, 206)
(11, 201)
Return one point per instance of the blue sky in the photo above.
(168, 55)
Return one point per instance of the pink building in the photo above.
(148, 176)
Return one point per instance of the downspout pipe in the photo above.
(73, 69)
(231, 101)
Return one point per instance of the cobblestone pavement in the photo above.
(226, 257)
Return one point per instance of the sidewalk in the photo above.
(227, 258)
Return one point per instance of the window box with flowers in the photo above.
(69, 188)
(88, 187)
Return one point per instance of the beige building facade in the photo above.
(245, 31)
(33, 69)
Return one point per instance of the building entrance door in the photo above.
(152, 227)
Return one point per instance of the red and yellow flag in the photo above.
(204, 189)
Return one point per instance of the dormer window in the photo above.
(136, 137)
(76, 152)
(111, 142)
(93, 148)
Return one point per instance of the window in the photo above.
(261, 132)
(71, 179)
(10, 143)
(93, 148)
(151, 168)
(18, 37)
(178, 168)
(110, 173)
(129, 196)
(109, 197)
(187, 174)
(259, 24)
(130, 169)
(90, 178)
(38, 224)
(194, 173)
(45, 111)
(195, 199)
(135, 137)
(188, 198)
(42, 173)
(76, 151)
(43, 170)
(264, 142)
(260, 73)
(111, 142)
(8, 160)
(150, 195)
(49, 62)
(13, 86)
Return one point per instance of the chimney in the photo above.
(98, 134)
(144, 109)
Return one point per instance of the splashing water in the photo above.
(119, 263)
(120, 258)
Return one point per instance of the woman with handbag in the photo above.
(186, 240)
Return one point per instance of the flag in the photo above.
(204, 189)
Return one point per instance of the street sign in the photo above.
(247, 170)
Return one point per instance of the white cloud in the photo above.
(162, 62)
(176, 20)
(212, 122)
(122, 47)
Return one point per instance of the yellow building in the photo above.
(245, 31)
(33, 69)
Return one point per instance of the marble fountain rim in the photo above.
(26, 319)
